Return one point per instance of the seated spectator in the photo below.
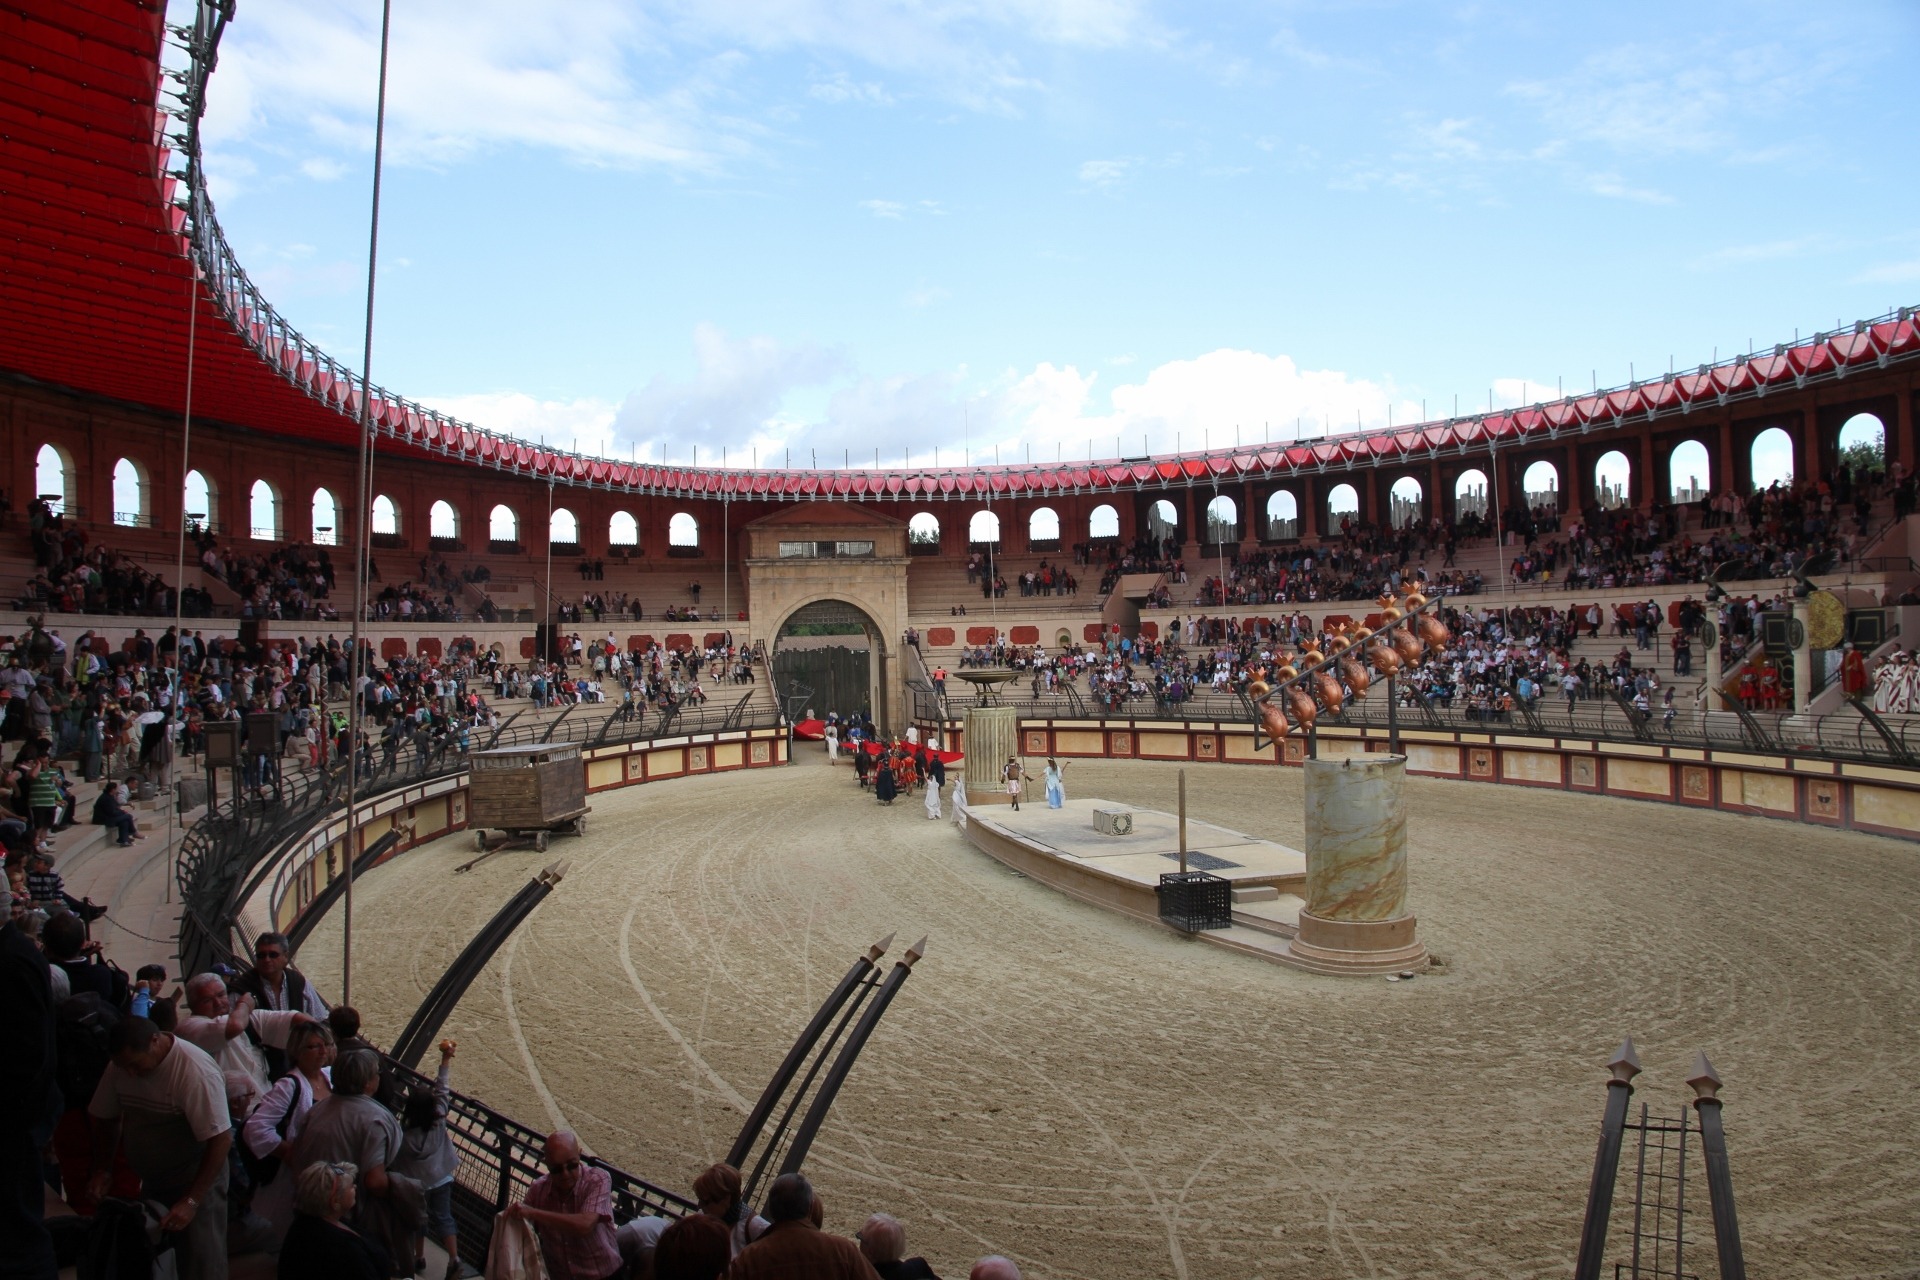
(110, 810)
(47, 889)
(320, 1245)
(794, 1246)
(570, 1208)
(883, 1241)
(65, 940)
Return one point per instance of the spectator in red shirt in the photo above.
(571, 1209)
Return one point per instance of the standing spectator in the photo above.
(694, 1248)
(276, 985)
(793, 1246)
(571, 1209)
(29, 1103)
(228, 1029)
(273, 1127)
(169, 1101)
(427, 1156)
(351, 1127)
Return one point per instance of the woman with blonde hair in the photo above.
(319, 1246)
(275, 1123)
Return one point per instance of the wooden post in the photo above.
(1621, 1068)
(1183, 822)
(1705, 1082)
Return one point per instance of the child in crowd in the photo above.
(427, 1155)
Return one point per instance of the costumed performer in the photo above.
(883, 787)
(1056, 783)
(1015, 778)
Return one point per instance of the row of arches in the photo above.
(54, 478)
(1861, 441)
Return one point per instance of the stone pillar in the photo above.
(1710, 645)
(992, 734)
(1355, 919)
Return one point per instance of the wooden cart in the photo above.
(527, 792)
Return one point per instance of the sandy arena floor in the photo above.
(1100, 1098)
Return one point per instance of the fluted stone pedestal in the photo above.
(992, 734)
(1355, 919)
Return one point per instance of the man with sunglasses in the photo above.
(277, 987)
(571, 1209)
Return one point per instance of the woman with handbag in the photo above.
(271, 1127)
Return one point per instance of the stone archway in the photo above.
(836, 650)
(834, 554)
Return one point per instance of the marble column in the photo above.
(1356, 919)
(1802, 658)
(992, 734)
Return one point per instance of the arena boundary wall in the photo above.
(1875, 799)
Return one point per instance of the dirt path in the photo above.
(1099, 1098)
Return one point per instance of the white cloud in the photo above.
(1107, 174)
(926, 296)
(1740, 255)
(323, 169)
(843, 88)
(746, 395)
(1891, 273)
(884, 208)
(1614, 187)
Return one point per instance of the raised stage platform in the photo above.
(1060, 848)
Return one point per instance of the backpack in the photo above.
(82, 1025)
(120, 1243)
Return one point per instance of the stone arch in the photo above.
(1283, 516)
(54, 481)
(263, 511)
(683, 530)
(1612, 480)
(1771, 458)
(199, 501)
(385, 517)
(325, 525)
(132, 494)
(840, 602)
(443, 520)
(503, 524)
(1866, 436)
(623, 530)
(1223, 520)
(1406, 502)
(1540, 484)
(1689, 472)
(1343, 501)
(1471, 495)
(1043, 525)
(1103, 521)
(923, 533)
(563, 528)
(983, 528)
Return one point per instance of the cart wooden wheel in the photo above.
(479, 841)
(580, 825)
(540, 842)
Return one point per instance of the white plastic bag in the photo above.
(514, 1253)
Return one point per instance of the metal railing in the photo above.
(499, 1159)
(226, 856)
(1851, 733)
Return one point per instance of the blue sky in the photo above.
(835, 227)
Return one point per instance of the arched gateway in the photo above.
(827, 583)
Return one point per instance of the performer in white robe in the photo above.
(1893, 685)
(833, 744)
(933, 799)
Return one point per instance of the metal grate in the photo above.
(1658, 1246)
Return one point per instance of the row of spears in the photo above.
(1311, 682)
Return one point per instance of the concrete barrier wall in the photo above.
(1857, 797)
